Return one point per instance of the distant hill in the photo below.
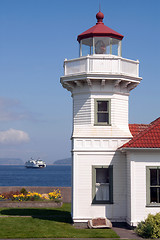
(11, 161)
(66, 161)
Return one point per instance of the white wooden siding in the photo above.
(138, 161)
(120, 111)
(128, 190)
(84, 113)
(82, 200)
(81, 110)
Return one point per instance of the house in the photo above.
(143, 171)
(115, 166)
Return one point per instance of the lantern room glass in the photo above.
(100, 45)
(86, 47)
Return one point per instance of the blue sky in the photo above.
(35, 38)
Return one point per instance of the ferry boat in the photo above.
(32, 163)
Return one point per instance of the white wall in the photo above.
(128, 189)
(109, 64)
(83, 111)
(137, 161)
(97, 145)
(83, 209)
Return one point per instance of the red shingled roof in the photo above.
(137, 128)
(144, 136)
(99, 30)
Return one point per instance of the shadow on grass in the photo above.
(45, 214)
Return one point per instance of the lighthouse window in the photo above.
(101, 45)
(115, 47)
(102, 112)
(102, 184)
(86, 47)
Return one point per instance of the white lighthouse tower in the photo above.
(100, 81)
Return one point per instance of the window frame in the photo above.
(110, 201)
(148, 186)
(96, 123)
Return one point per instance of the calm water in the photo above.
(58, 176)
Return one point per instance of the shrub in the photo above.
(150, 228)
(9, 195)
(24, 191)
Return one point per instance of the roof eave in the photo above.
(89, 35)
(135, 149)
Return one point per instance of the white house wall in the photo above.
(137, 161)
(83, 209)
(128, 189)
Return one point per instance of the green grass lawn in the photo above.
(45, 223)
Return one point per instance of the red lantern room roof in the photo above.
(99, 30)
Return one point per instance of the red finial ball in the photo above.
(99, 17)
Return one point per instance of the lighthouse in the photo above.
(100, 81)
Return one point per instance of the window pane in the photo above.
(115, 49)
(114, 46)
(102, 105)
(102, 184)
(154, 195)
(102, 192)
(100, 47)
(102, 175)
(153, 177)
(87, 46)
(103, 117)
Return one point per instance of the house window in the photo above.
(102, 112)
(153, 185)
(102, 184)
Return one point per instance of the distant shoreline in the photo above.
(60, 164)
(47, 164)
(11, 164)
(20, 162)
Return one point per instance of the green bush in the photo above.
(24, 191)
(150, 228)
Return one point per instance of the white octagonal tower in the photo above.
(100, 81)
